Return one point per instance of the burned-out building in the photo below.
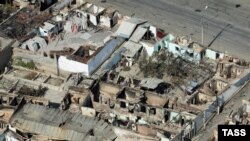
(76, 99)
(230, 67)
(9, 102)
(21, 25)
(84, 72)
(110, 17)
(91, 11)
(137, 110)
(131, 54)
(39, 122)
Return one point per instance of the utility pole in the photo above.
(202, 26)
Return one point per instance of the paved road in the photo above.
(222, 19)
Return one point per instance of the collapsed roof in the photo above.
(60, 125)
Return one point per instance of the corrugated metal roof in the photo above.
(150, 83)
(57, 124)
(138, 34)
(131, 48)
(127, 27)
(136, 20)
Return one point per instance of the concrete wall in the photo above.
(109, 22)
(47, 64)
(149, 48)
(204, 97)
(174, 48)
(182, 51)
(211, 54)
(177, 50)
(153, 30)
(115, 19)
(43, 32)
(93, 19)
(105, 21)
(163, 43)
(95, 62)
(73, 66)
(174, 117)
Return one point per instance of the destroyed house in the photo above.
(132, 53)
(155, 85)
(182, 47)
(76, 22)
(34, 44)
(114, 99)
(134, 109)
(13, 100)
(91, 12)
(76, 98)
(109, 18)
(55, 124)
(22, 25)
(50, 28)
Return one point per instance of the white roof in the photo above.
(131, 48)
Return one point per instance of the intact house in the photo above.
(182, 47)
(88, 58)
